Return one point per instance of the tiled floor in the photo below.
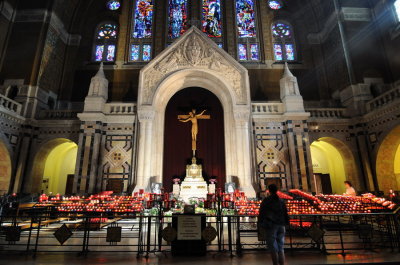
(250, 258)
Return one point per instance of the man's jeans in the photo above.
(275, 237)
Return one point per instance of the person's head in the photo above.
(273, 189)
(348, 184)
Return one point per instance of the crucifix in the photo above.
(193, 117)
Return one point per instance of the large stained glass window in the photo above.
(212, 18)
(284, 45)
(143, 19)
(177, 18)
(397, 8)
(105, 42)
(245, 18)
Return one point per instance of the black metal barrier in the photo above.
(88, 232)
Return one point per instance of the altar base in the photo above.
(191, 189)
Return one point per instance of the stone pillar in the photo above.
(146, 135)
(243, 150)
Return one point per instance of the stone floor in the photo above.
(251, 258)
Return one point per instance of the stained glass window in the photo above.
(275, 4)
(107, 31)
(397, 8)
(105, 43)
(143, 19)
(289, 52)
(113, 5)
(110, 53)
(212, 20)
(284, 46)
(99, 53)
(140, 53)
(135, 52)
(177, 18)
(278, 52)
(242, 52)
(146, 52)
(245, 18)
(281, 30)
(220, 45)
(254, 52)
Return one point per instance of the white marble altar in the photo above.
(194, 185)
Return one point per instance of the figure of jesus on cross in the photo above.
(193, 117)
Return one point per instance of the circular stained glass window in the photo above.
(275, 4)
(113, 5)
(281, 30)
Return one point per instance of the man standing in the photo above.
(273, 218)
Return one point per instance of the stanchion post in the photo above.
(29, 235)
(148, 236)
(230, 234)
(37, 235)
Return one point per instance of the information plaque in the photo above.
(189, 227)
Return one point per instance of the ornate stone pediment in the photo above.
(194, 50)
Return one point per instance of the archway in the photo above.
(211, 142)
(54, 167)
(333, 163)
(388, 162)
(5, 169)
(194, 61)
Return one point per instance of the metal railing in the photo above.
(127, 232)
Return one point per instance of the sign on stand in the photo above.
(189, 227)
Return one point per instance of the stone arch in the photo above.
(208, 67)
(5, 168)
(39, 163)
(385, 161)
(349, 162)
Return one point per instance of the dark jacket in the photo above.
(274, 209)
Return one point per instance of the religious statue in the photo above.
(193, 117)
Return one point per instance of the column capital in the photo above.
(241, 114)
(146, 115)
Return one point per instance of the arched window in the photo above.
(105, 42)
(284, 45)
(248, 47)
(142, 32)
(397, 9)
(177, 18)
